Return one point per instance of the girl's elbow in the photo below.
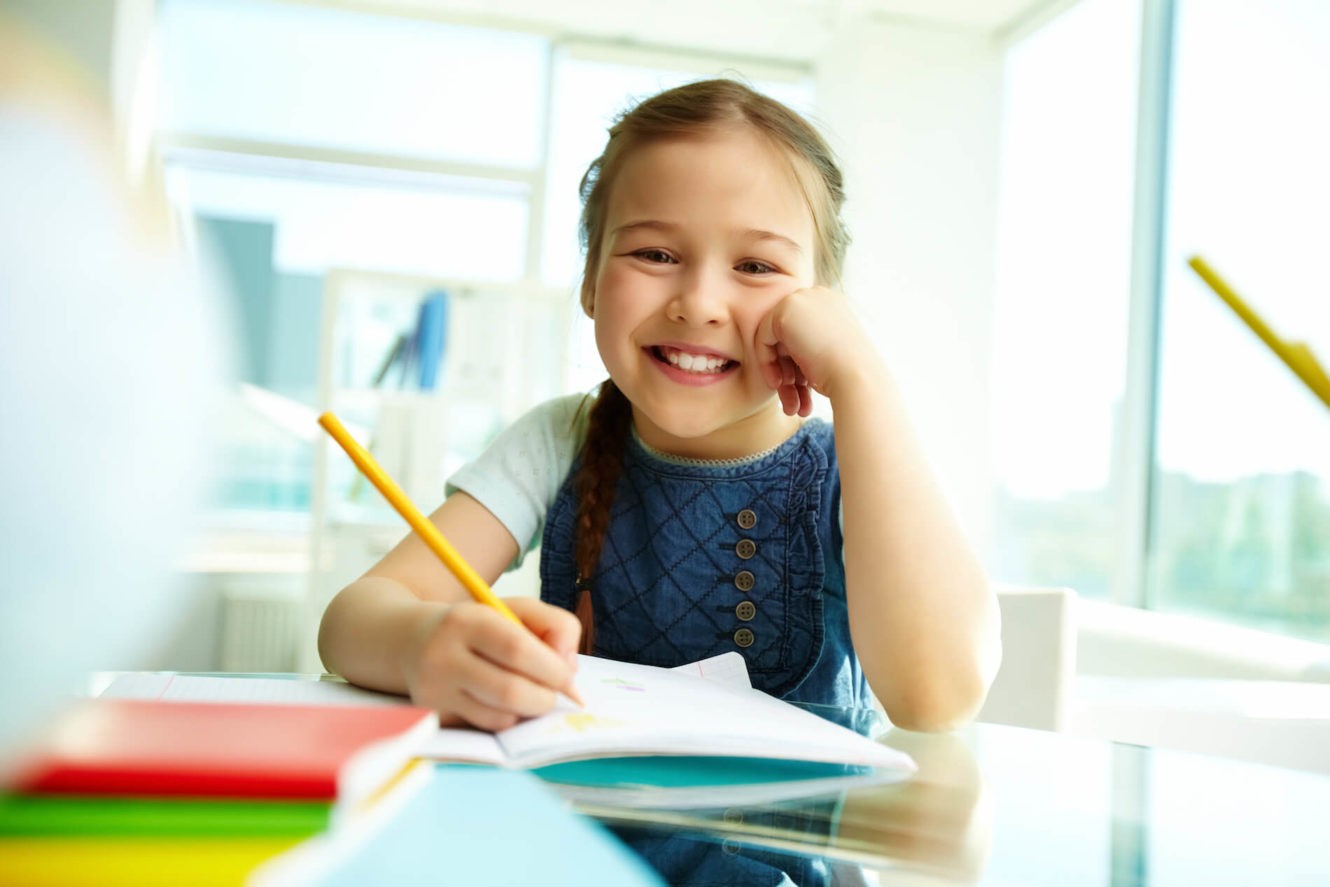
(939, 706)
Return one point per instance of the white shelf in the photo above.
(503, 337)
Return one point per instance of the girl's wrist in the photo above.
(419, 625)
(866, 376)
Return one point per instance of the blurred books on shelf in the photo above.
(418, 355)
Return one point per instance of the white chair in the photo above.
(1177, 681)
(1034, 684)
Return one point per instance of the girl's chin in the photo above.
(684, 432)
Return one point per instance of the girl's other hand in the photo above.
(808, 342)
(474, 666)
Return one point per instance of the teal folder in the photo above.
(678, 782)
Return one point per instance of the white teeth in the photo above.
(694, 363)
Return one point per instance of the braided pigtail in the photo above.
(596, 482)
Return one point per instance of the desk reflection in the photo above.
(937, 824)
(1003, 805)
(930, 828)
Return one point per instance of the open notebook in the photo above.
(702, 723)
(635, 710)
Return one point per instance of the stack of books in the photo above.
(149, 791)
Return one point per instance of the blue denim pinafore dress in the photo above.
(705, 557)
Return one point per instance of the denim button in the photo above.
(746, 610)
(744, 580)
(744, 637)
(746, 548)
(747, 519)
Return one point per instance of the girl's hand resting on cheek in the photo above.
(474, 666)
(812, 340)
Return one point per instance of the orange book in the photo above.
(215, 749)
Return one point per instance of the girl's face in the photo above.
(703, 236)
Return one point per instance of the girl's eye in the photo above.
(658, 256)
(753, 266)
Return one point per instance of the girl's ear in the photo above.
(589, 299)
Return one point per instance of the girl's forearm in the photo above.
(369, 629)
(923, 617)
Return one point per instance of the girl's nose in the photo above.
(698, 300)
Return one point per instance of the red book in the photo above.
(216, 749)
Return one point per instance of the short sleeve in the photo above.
(520, 472)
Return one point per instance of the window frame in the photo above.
(1136, 457)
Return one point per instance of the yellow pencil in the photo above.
(1295, 355)
(477, 587)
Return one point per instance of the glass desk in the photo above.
(996, 805)
(1006, 806)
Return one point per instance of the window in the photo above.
(1241, 505)
(1234, 506)
(336, 140)
(322, 218)
(1061, 296)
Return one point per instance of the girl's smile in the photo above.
(692, 366)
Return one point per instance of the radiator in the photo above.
(260, 630)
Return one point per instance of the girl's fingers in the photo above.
(768, 352)
(805, 400)
(515, 648)
(493, 687)
(559, 629)
(469, 710)
(770, 364)
(481, 668)
(789, 370)
(796, 398)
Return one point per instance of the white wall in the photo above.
(914, 112)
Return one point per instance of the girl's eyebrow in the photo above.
(646, 224)
(668, 227)
(759, 234)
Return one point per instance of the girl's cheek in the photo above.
(763, 306)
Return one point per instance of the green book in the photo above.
(67, 815)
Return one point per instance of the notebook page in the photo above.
(636, 709)
(727, 668)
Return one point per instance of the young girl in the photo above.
(692, 508)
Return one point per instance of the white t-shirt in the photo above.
(518, 476)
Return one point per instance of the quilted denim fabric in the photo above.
(669, 590)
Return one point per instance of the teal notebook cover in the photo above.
(688, 771)
(699, 782)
